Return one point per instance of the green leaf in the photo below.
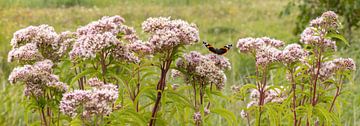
(338, 36)
(76, 122)
(229, 116)
(83, 73)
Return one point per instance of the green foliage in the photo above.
(220, 22)
(349, 10)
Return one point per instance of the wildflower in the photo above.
(206, 111)
(250, 45)
(197, 116)
(37, 78)
(316, 34)
(39, 35)
(112, 25)
(141, 48)
(203, 68)
(166, 34)
(330, 67)
(97, 101)
(243, 114)
(175, 73)
(293, 53)
(274, 95)
(87, 46)
(101, 38)
(129, 33)
(328, 20)
(220, 61)
(40, 41)
(64, 42)
(95, 82)
(266, 55)
(28, 52)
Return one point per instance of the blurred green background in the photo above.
(220, 22)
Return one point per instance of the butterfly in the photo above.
(219, 51)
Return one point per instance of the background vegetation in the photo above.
(220, 22)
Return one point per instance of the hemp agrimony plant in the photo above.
(200, 72)
(166, 37)
(103, 73)
(312, 72)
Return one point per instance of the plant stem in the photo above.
(138, 87)
(160, 87)
(261, 90)
(313, 103)
(103, 66)
(294, 95)
(338, 89)
(43, 116)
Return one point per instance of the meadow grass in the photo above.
(220, 22)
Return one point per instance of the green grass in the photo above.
(220, 22)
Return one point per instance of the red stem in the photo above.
(160, 88)
(315, 79)
(294, 95)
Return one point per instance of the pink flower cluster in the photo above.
(220, 61)
(37, 78)
(328, 20)
(329, 68)
(250, 45)
(166, 33)
(197, 116)
(141, 48)
(203, 67)
(266, 52)
(316, 34)
(293, 53)
(28, 42)
(97, 101)
(266, 55)
(26, 53)
(272, 95)
(275, 95)
(102, 37)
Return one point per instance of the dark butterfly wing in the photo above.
(221, 51)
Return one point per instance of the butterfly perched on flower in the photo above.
(219, 51)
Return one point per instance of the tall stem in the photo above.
(43, 116)
(316, 78)
(103, 66)
(261, 89)
(294, 95)
(338, 89)
(160, 88)
(138, 87)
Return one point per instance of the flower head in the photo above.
(293, 53)
(166, 33)
(220, 61)
(266, 55)
(316, 34)
(37, 78)
(112, 25)
(141, 48)
(27, 52)
(104, 37)
(97, 101)
(203, 68)
(250, 45)
(329, 68)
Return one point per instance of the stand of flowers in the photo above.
(104, 74)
